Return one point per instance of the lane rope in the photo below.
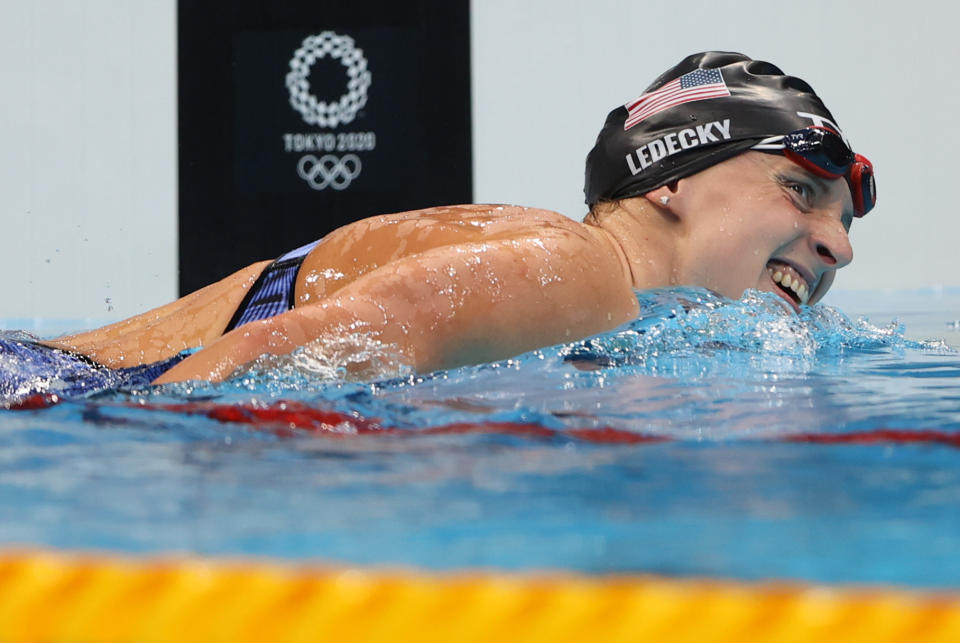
(48, 596)
(288, 417)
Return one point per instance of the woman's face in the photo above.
(760, 221)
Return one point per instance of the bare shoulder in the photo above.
(469, 219)
(365, 246)
(392, 236)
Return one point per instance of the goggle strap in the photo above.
(774, 143)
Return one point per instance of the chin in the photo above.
(822, 287)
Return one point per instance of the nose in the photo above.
(832, 244)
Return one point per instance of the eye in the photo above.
(801, 193)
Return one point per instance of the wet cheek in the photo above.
(745, 264)
(721, 269)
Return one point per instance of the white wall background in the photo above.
(88, 169)
(88, 190)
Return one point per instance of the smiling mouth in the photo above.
(789, 282)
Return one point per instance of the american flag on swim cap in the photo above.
(699, 84)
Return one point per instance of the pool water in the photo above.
(709, 437)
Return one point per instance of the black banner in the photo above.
(297, 119)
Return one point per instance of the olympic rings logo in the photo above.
(329, 170)
(313, 110)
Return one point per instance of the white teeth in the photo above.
(794, 282)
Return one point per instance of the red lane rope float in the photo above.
(301, 416)
(35, 401)
(286, 417)
(878, 436)
(282, 415)
(296, 415)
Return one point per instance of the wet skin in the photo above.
(444, 287)
(759, 210)
(451, 286)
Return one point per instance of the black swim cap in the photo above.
(709, 108)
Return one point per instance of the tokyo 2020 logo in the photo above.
(339, 163)
(316, 111)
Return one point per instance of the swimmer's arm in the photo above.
(450, 306)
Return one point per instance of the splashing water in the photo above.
(692, 364)
(359, 356)
(687, 334)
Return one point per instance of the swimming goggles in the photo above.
(822, 152)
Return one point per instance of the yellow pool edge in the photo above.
(63, 596)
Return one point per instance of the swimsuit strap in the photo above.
(273, 291)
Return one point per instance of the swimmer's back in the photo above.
(366, 245)
(443, 288)
(375, 246)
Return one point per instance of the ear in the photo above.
(669, 197)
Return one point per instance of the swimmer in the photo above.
(725, 173)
